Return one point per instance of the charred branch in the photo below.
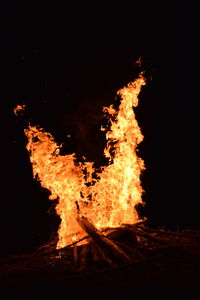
(111, 251)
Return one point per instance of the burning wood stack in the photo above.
(130, 257)
(125, 245)
(100, 227)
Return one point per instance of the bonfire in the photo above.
(100, 228)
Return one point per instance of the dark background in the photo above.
(65, 63)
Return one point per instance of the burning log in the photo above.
(108, 249)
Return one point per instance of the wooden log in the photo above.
(107, 246)
(154, 238)
(83, 259)
(125, 235)
(98, 254)
(75, 252)
(164, 232)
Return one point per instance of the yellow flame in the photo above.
(109, 199)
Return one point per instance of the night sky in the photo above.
(67, 62)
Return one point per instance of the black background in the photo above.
(65, 63)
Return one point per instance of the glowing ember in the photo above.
(107, 197)
(19, 108)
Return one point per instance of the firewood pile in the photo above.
(128, 244)
(130, 251)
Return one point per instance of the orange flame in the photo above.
(109, 199)
(19, 108)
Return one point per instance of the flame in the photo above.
(107, 197)
(19, 108)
